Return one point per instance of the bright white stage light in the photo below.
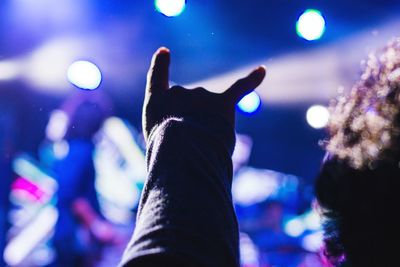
(57, 126)
(313, 242)
(28, 238)
(312, 221)
(250, 103)
(252, 186)
(294, 227)
(310, 25)
(317, 116)
(118, 185)
(170, 8)
(84, 75)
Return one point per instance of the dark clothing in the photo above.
(76, 179)
(186, 217)
(5, 187)
(8, 133)
(75, 175)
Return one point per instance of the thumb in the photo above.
(158, 74)
(245, 85)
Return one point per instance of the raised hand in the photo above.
(162, 102)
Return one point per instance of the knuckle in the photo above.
(178, 88)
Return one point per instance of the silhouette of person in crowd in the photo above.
(358, 186)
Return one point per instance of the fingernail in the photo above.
(162, 50)
(262, 67)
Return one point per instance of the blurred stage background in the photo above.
(51, 51)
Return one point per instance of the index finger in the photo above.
(158, 74)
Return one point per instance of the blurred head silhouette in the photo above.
(86, 113)
(358, 187)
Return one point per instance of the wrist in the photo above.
(214, 125)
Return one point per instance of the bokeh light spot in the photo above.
(170, 8)
(250, 103)
(84, 75)
(311, 25)
(294, 228)
(317, 116)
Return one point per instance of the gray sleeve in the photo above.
(186, 216)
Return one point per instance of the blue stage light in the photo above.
(250, 103)
(170, 8)
(311, 25)
(84, 75)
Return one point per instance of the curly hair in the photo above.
(358, 186)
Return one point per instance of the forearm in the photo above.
(186, 216)
(186, 211)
